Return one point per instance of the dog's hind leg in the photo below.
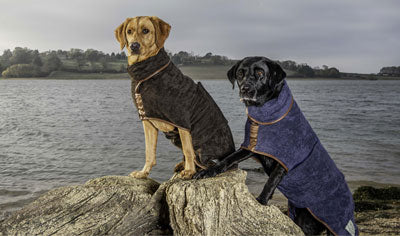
(176, 140)
(308, 224)
(174, 137)
(188, 152)
(274, 179)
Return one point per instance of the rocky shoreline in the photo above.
(377, 211)
(120, 205)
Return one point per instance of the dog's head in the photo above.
(143, 36)
(259, 80)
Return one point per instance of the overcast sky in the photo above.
(352, 35)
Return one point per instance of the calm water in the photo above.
(59, 132)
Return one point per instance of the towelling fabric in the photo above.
(313, 181)
(174, 98)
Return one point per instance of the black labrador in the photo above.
(261, 80)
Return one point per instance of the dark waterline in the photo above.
(59, 132)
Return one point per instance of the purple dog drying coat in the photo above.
(279, 130)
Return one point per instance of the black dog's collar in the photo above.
(274, 121)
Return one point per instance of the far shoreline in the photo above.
(209, 72)
(119, 77)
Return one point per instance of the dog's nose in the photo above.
(245, 88)
(135, 46)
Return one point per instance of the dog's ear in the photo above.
(162, 30)
(232, 73)
(120, 33)
(276, 72)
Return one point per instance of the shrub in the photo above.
(21, 70)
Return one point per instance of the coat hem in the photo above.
(168, 122)
(322, 222)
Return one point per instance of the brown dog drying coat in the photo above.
(162, 92)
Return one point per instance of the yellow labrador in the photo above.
(144, 37)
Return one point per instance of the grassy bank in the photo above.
(205, 72)
(75, 75)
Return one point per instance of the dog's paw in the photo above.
(205, 174)
(187, 174)
(139, 174)
(180, 166)
(262, 200)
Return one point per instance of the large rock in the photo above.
(98, 207)
(117, 205)
(223, 206)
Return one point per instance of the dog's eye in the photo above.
(239, 74)
(129, 31)
(145, 31)
(260, 73)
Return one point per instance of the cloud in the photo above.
(358, 35)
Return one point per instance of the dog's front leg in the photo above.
(273, 181)
(225, 164)
(150, 136)
(188, 152)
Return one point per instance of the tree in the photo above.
(217, 60)
(123, 56)
(52, 63)
(184, 58)
(390, 71)
(62, 54)
(36, 61)
(21, 56)
(306, 70)
(327, 72)
(92, 55)
(289, 65)
(5, 58)
(78, 56)
(7, 54)
(333, 72)
(176, 59)
(104, 64)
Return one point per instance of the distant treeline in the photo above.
(24, 62)
(183, 58)
(390, 71)
(303, 70)
(293, 69)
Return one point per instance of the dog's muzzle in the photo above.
(247, 93)
(135, 48)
